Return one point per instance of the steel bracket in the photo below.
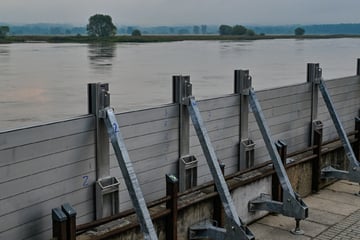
(185, 100)
(235, 228)
(292, 205)
(242, 82)
(206, 229)
(352, 175)
(183, 90)
(317, 75)
(209, 230)
(353, 172)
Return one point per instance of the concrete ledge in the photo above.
(334, 214)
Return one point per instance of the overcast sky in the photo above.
(172, 12)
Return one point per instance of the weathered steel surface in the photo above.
(233, 221)
(44, 166)
(129, 175)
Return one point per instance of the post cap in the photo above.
(58, 215)
(68, 210)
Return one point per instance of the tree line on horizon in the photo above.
(102, 26)
(66, 29)
(235, 30)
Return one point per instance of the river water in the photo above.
(43, 82)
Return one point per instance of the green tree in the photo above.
(4, 30)
(136, 33)
(250, 32)
(225, 30)
(101, 26)
(299, 31)
(238, 30)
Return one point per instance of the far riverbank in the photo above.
(160, 38)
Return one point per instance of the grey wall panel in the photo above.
(157, 149)
(288, 114)
(30, 135)
(40, 227)
(45, 178)
(151, 137)
(45, 148)
(45, 163)
(340, 82)
(345, 93)
(219, 103)
(147, 115)
(29, 198)
(287, 100)
(24, 219)
(280, 92)
(222, 124)
(42, 167)
(226, 148)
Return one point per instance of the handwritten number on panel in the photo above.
(86, 181)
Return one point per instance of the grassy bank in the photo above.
(158, 38)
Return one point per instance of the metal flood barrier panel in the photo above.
(234, 229)
(353, 171)
(44, 166)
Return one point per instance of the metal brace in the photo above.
(209, 230)
(129, 175)
(292, 205)
(235, 229)
(353, 173)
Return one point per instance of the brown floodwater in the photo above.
(43, 82)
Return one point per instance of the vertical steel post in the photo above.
(172, 188)
(242, 84)
(313, 77)
(98, 99)
(358, 67)
(277, 192)
(316, 162)
(71, 221)
(181, 91)
(219, 214)
(357, 137)
(59, 224)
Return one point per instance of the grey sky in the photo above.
(170, 12)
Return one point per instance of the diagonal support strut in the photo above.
(235, 228)
(292, 205)
(353, 173)
(129, 175)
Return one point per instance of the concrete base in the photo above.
(334, 213)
